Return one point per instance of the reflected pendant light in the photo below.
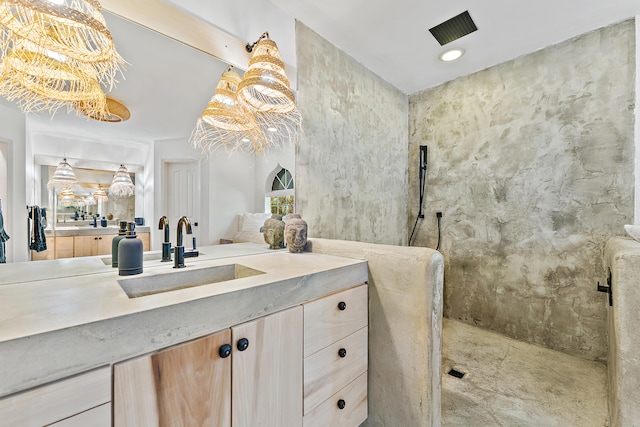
(100, 195)
(66, 197)
(266, 92)
(224, 123)
(63, 177)
(90, 201)
(122, 185)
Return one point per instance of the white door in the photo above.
(182, 188)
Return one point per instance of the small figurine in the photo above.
(274, 231)
(296, 233)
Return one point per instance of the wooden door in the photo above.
(104, 245)
(267, 376)
(182, 197)
(187, 385)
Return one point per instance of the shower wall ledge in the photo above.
(622, 257)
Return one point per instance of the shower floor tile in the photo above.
(510, 383)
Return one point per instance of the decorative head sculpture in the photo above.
(274, 231)
(295, 233)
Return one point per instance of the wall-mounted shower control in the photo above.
(607, 289)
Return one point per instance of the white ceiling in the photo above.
(167, 84)
(392, 37)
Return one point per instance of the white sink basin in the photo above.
(184, 278)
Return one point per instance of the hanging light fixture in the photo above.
(63, 177)
(89, 200)
(100, 195)
(55, 44)
(266, 92)
(66, 197)
(122, 185)
(224, 123)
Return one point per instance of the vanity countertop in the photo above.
(58, 326)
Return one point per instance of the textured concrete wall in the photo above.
(531, 162)
(351, 160)
(405, 330)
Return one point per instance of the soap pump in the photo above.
(130, 253)
(114, 243)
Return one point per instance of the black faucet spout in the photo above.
(183, 223)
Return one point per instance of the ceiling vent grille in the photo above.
(454, 28)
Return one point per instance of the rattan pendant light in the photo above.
(100, 195)
(122, 185)
(67, 198)
(224, 123)
(61, 47)
(266, 92)
(64, 177)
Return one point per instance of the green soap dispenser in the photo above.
(114, 243)
(130, 253)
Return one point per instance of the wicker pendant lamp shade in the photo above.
(100, 195)
(266, 92)
(224, 123)
(122, 185)
(66, 197)
(62, 47)
(64, 177)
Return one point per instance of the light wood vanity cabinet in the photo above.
(92, 245)
(336, 359)
(260, 383)
(82, 400)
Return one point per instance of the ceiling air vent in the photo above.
(454, 28)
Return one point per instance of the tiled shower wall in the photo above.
(531, 162)
(351, 160)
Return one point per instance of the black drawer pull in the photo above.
(341, 404)
(342, 352)
(342, 305)
(224, 351)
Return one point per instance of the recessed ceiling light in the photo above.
(451, 55)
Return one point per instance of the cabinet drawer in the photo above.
(353, 413)
(56, 401)
(332, 318)
(96, 417)
(326, 372)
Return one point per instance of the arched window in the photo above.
(280, 199)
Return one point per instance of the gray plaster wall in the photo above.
(531, 163)
(351, 160)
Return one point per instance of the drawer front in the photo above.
(56, 401)
(332, 318)
(354, 412)
(96, 417)
(333, 367)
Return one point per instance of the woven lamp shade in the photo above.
(56, 53)
(122, 185)
(100, 195)
(73, 28)
(66, 197)
(40, 82)
(64, 177)
(226, 124)
(266, 92)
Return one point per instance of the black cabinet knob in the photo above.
(243, 344)
(341, 404)
(342, 352)
(342, 305)
(224, 351)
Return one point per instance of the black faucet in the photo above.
(166, 244)
(179, 251)
(95, 221)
